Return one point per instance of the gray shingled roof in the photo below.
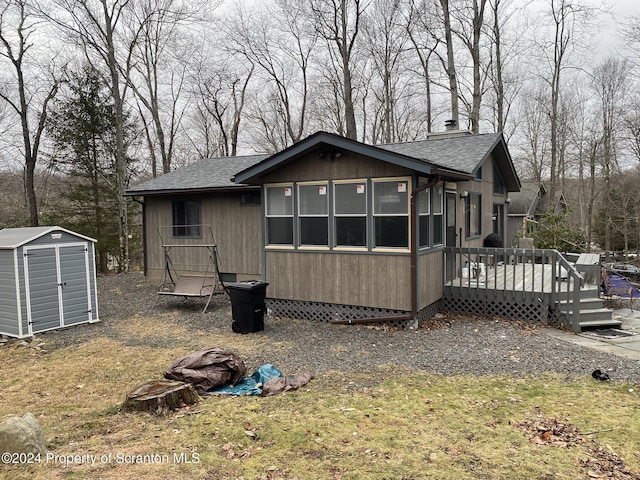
(522, 201)
(14, 237)
(461, 152)
(205, 174)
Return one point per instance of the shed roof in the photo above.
(205, 174)
(15, 237)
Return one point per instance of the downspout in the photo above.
(413, 270)
(144, 233)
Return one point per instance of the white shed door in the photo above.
(57, 286)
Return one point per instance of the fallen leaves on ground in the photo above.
(600, 463)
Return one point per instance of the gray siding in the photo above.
(75, 291)
(37, 278)
(43, 289)
(236, 228)
(9, 310)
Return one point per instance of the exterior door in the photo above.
(57, 286)
(450, 234)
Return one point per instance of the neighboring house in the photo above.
(526, 207)
(338, 228)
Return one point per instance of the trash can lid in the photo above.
(248, 284)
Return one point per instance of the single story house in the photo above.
(526, 207)
(340, 230)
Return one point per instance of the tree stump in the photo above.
(160, 396)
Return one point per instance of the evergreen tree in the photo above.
(554, 231)
(83, 135)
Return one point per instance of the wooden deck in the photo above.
(522, 277)
(515, 281)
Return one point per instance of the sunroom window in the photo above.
(436, 213)
(313, 213)
(424, 217)
(391, 213)
(350, 214)
(279, 214)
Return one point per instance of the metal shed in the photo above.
(47, 280)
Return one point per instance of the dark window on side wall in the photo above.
(473, 215)
(498, 182)
(186, 218)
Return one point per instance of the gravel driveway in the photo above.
(453, 344)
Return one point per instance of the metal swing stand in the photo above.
(187, 284)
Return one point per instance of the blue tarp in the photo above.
(621, 287)
(251, 384)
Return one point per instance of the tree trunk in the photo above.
(160, 397)
(451, 69)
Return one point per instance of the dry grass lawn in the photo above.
(387, 424)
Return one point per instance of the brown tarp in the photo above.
(207, 369)
(284, 384)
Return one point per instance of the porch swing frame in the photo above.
(191, 285)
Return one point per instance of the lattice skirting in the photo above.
(533, 313)
(324, 312)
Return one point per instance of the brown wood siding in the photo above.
(430, 288)
(350, 165)
(380, 281)
(236, 228)
(485, 188)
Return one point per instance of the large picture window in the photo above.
(186, 219)
(473, 215)
(350, 214)
(391, 213)
(313, 213)
(279, 214)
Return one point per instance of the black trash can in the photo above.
(248, 305)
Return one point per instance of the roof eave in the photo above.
(253, 174)
(188, 191)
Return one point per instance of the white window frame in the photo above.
(375, 215)
(300, 216)
(286, 246)
(365, 215)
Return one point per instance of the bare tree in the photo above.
(568, 19)
(220, 97)
(610, 80)
(338, 23)
(468, 28)
(534, 125)
(386, 45)
(17, 30)
(420, 29)
(277, 40)
(158, 71)
(101, 29)
(449, 64)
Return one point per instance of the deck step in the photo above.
(585, 304)
(595, 314)
(592, 324)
